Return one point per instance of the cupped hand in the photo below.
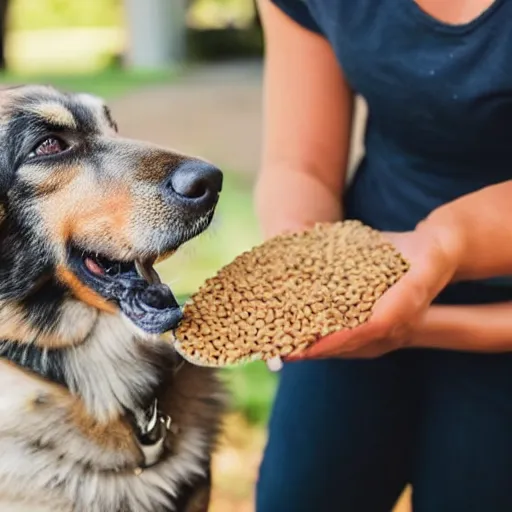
(397, 313)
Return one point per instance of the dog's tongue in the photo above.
(152, 308)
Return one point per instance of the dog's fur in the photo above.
(71, 364)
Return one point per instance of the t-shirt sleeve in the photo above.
(298, 10)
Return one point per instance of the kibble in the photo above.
(285, 294)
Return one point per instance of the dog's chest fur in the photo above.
(73, 450)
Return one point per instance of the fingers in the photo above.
(340, 343)
(401, 303)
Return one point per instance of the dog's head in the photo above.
(84, 215)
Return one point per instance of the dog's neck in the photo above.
(47, 363)
(113, 371)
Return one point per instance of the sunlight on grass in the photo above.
(36, 14)
(73, 50)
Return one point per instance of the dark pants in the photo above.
(346, 436)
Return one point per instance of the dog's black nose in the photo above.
(195, 182)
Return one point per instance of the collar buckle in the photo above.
(152, 427)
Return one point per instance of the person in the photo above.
(422, 393)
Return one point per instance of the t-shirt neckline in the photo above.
(442, 26)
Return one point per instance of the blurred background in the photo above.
(184, 74)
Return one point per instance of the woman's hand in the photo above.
(400, 310)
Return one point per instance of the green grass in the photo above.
(252, 389)
(107, 84)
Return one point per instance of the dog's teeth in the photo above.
(141, 270)
(155, 277)
(147, 272)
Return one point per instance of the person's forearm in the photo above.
(477, 230)
(291, 200)
(482, 328)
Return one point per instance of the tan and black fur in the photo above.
(78, 358)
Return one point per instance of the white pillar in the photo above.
(156, 33)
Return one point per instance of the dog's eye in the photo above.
(51, 146)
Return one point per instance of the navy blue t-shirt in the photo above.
(440, 109)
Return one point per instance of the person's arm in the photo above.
(307, 123)
(482, 328)
(470, 238)
(476, 231)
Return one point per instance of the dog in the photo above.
(98, 413)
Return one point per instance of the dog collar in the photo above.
(151, 429)
(151, 426)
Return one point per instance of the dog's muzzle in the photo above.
(192, 191)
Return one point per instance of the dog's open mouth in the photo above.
(133, 285)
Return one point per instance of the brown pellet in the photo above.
(286, 293)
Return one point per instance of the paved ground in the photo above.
(212, 111)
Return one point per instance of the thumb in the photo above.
(402, 301)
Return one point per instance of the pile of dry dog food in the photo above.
(285, 294)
